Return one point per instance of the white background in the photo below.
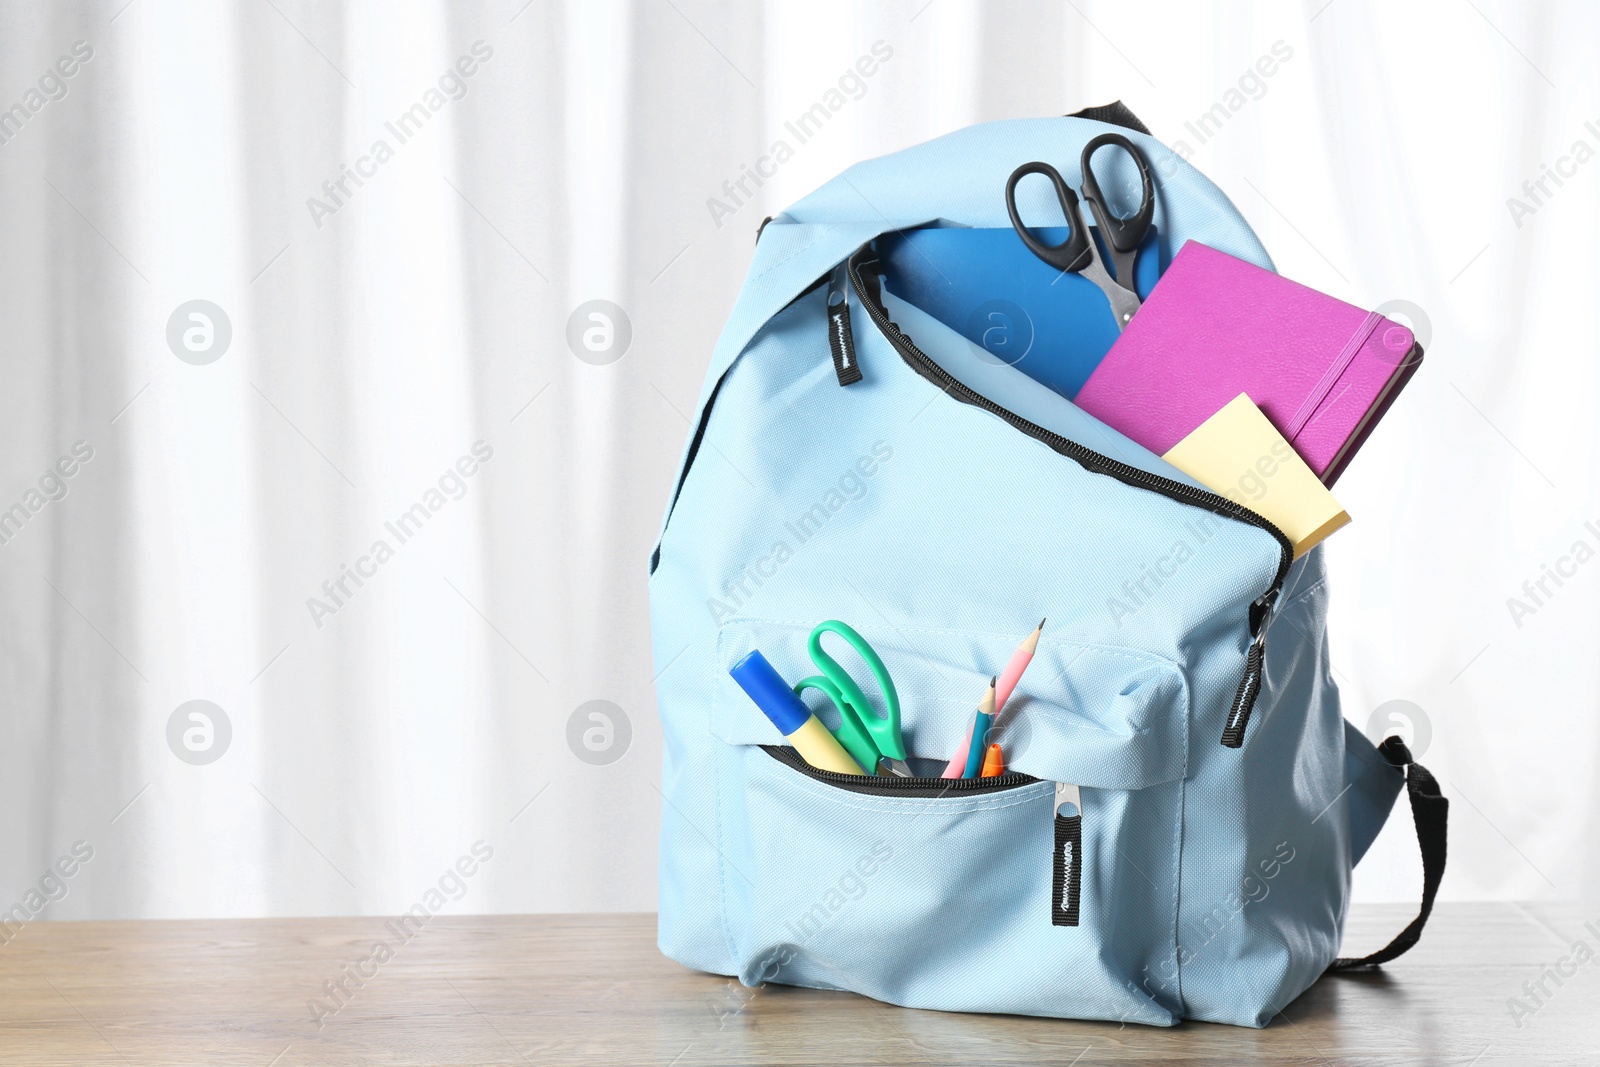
(429, 312)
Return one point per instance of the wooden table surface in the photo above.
(592, 989)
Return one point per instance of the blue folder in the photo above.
(987, 286)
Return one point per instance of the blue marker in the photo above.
(790, 715)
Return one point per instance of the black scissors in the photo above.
(1078, 253)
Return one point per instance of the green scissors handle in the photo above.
(868, 738)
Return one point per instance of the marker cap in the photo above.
(770, 692)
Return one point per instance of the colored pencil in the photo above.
(1019, 663)
(1020, 659)
(980, 732)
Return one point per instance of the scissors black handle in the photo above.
(1122, 236)
(1074, 253)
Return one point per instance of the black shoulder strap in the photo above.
(1116, 113)
(1430, 811)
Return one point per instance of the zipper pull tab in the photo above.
(840, 340)
(1068, 857)
(1244, 700)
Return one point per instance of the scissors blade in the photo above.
(897, 767)
(1123, 302)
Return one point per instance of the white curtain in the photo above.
(397, 311)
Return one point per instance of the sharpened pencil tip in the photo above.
(1041, 623)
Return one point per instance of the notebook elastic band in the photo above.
(1335, 370)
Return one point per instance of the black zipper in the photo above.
(866, 287)
(880, 785)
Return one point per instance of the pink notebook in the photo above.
(1322, 371)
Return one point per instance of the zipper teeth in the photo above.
(885, 784)
(1087, 458)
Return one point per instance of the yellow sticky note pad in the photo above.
(1239, 454)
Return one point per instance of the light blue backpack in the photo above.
(1183, 800)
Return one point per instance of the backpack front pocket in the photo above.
(1016, 893)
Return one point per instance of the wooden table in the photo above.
(592, 989)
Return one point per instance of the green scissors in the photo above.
(873, 742)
